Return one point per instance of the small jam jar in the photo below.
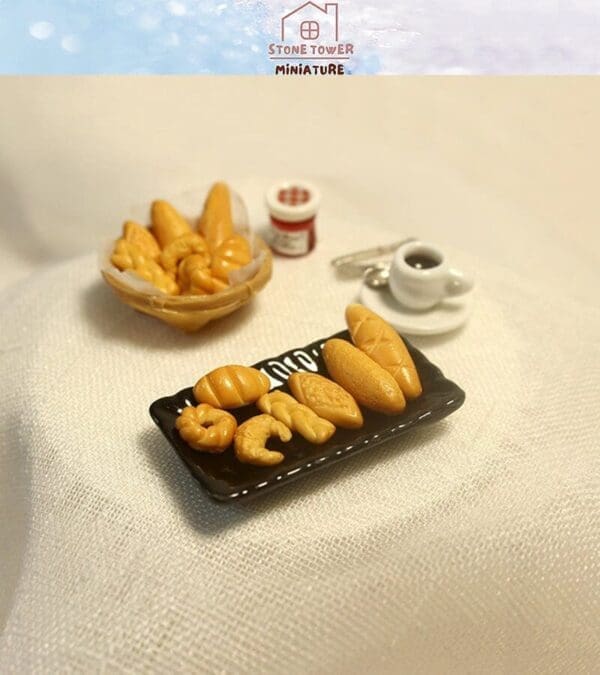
(293, 207)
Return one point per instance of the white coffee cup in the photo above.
(420, 276)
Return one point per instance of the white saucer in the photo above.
(448, 315)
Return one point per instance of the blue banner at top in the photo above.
(291, 38)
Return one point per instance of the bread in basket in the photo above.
(188, 276)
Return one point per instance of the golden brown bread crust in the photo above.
(167, 223)
(296, 416)
(327, 399)
(216, 222)
(232, 254)
(251, 437)
(137, 234)
(376, 338)
(231, 387)
(358, 374)
(205, 428)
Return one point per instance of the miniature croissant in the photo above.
(251, 436)
(232, 254)
(127, 256)
(216, 223)
(182, 247)
(167, 223)
(231, 387)
(296, 416)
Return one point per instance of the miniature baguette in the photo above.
(167, 223)
(327, 399)
(216, 223)
(358, 374)
(231, 387)
(376, 338)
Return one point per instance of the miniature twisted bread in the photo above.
(127, 256)
(376, 338)
(142, 238)
(182, 247)
(296, 416)
(216, 223)
(167, 223)
(251, 436)
(194, 277)
(232, 254)
(231, 386)
(206, 428)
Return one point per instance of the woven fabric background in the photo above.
(468, 546)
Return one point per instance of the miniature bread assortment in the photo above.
(376, 372)
(178, 259)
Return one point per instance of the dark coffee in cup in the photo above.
(421, 262)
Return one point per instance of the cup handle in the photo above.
(458, 283)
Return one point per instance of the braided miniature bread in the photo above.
(205, 428)
(231, 387)
(296, 416)
(127, 256)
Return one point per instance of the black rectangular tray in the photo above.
(225, 478)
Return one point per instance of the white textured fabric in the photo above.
(468, 546)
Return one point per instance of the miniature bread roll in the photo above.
(231, 387)
(205, 428)
(142, 238)
(167, 223)
(376, 338)
(367, 381)
(216, 223)
(251, 437)
(326, 399)
(232, 254)
(296, 416)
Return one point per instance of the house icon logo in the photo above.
(311, 21)
(310, 42)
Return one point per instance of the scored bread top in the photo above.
(358, 374)
(231, 386)
(376, 338)
(327, 399)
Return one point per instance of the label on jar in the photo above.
(290, 243)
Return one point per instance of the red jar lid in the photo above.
(293, 201)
